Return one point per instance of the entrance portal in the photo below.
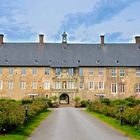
(64, 99)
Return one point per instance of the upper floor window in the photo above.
(81, 84)
(91, 71)
(11, 71)
(113, 72)
(100, 71)
(114, 88)
(1, 84)
(138, 72)
(137, 88)
(34, 85)
(22, 85)
(71, 71)
(91, 85)
(34, 71)
(81, 72)
(58, 71)
(10, 85)
(47, 71)
(0, 71)
(122, 72)
(23, 71)
(100, 85)
(47, 85)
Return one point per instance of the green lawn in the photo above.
(125, 129)
(24, 133)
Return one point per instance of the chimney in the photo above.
(41, 38)
(1, 39)
(102, 39)
(137, 39)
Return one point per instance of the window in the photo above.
(100, 85)
(138, 72)
(22, 85)
(11, 71)
(10, 85)
(23, 71)
(34, 71)
(113, 72)
(58, 85)
(81, 84)
(34, 85)
(70, 85)
(137, 89)
(70, 71)
(0, 71)
(122, 72)
(1, 84)
(91, 85)
(122, 88)
(81, 72)
(91, 71)
(58, 71)
(47, 85)
(114, 88)
(47, 71)
(100, 71)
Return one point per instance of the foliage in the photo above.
(131, 113)
(84, 103)
(12, 114)
(77, 101)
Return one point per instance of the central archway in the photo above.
(64, 99)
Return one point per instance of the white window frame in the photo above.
(116, 86)
(71, 71)
(23, 71)
(114, 72)
(122, 88)
(34, 71)
(58, 71)
(70, 85)
(11, 70)
(46, 85)
(58, 85)
(137, 88)
(22, 85)
(34, 84)
(1, 71)
(91, 71)
(81, 85)
(47, 71)
(1, 84)
(81, 72)
(137, 72)
(10, 84)
(122, 72)
(100, 71)
(100, 87)
(91, 86)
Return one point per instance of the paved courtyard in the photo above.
(74, 124)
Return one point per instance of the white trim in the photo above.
(116, 88)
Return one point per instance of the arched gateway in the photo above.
(64, 98)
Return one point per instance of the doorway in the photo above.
(64, 99)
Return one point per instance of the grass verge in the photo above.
(125, 129)
(24, 133)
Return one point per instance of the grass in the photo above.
(25, 132)
(127, 130)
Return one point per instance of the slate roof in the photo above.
(69, 55)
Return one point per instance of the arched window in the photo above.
(137, 88)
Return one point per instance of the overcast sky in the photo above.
(83, 20)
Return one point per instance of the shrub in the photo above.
(84, 103)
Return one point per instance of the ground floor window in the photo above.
(100, 85)
(113, 88)
(137, 88)
(91, 85)
(122, 88)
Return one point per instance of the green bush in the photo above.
(27, 101)
(84, 103)
(12, 114)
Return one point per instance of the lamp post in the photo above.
(121, 111)
(26, 114)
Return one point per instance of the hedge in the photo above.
(12, 114)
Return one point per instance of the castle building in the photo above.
(67, 70)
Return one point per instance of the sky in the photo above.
(83, 20)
